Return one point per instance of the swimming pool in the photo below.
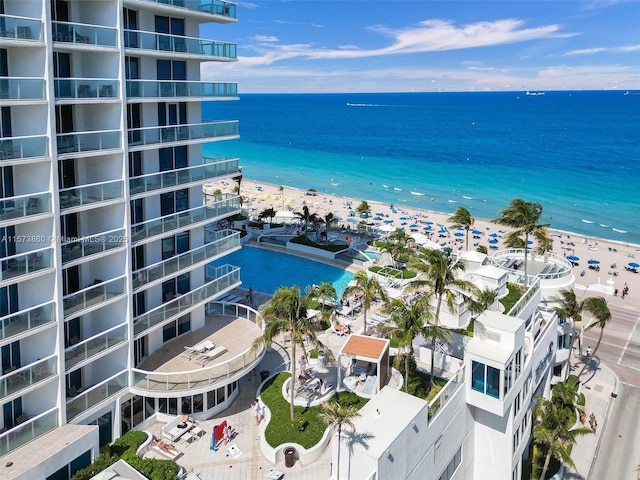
(266, 271)
(373, 255)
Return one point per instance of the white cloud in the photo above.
(266, 38)
(591, 51)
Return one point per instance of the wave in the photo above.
(452, 201)
(468, 198)
(335, 184)
(398, 189)
(603, 225)
(385, 186)
(587, 221)
(364, 105)
(618, 230)
(418, 193)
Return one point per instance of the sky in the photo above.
(313, 46)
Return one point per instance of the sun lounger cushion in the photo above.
(219, 350)
(204, 346)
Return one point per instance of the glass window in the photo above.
(198, 403)
(125, 415)
(79, 463)
(508, 377)
(184, 283)
(162, 405)
(184, 324)
(182, 242)
(220, 395)
(149, 407)
(493, 382)
(169, 332)
(138, 410)
(181, 157)
(477, 376)
(186, 405)
(173, 406)
(211, 399)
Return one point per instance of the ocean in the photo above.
(575, 152)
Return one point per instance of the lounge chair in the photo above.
(214, 352)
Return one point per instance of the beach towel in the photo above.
(217, 435)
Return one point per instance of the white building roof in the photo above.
(385, 417)
(473, 256)
(489, 271)
(120, 470)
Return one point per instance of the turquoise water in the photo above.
(373, 255)
(577, 153)
(266, 271)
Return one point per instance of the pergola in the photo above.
(363, 350)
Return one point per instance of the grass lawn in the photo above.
(512, 297)
(282, 430)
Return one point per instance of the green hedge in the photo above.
(125, 448)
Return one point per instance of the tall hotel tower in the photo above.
(106, 234)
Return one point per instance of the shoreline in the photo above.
(258, 196)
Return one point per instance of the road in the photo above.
(619, 447)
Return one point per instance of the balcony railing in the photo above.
(224, 277)
(159, 226)
(156, 181)
(93, 193)
(20, 28)
(29, 430)
(84, 34)
(205, 6)
(162, 42)
(533, 288)
(15, 148)
(26, 320)
(445, 394)
(80, 142)
(96, 394)
(26, 263)
(94, 345)
(27, 376)
(25, 206)
(170, 88)
(182, 133)
(73, 88)
(224, 241)
(22, 88)
(93, 244)
(93, 295)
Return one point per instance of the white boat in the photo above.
(534, 94)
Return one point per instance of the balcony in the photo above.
(84, 34)
(18, 148)
(86, 88)
(95, 345)
(96, 394)
(93, 245)
(187, 218)
(81, 142)
(155, 89)
(224, 277)
(224, 241)
(216, 7)
(162, 42)
(26, 320)
(213, 168)
(91, 194)
(14, 208)
(16, 266)
(20, 28)
(190, 133)
(25, 377)
(233, 326)
(22, 88)
(92, 296)
(29, 430)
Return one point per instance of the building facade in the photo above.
(105, 232)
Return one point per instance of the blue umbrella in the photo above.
(429, 223)
(530, 242)
(353, 220)
(414, 225)
(593, 261)
(460, 228)
(443, 230)
(634, 265)
(493, 241)
(573, 258)
(388, 221)
(447, 249)
(427, 228)
(493, 234)
(476, 232)
(404, 217)
(459, 234)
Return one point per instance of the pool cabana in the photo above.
(353, 360)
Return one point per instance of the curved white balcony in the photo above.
(232, 326)
(187, 218)
(224, 241)
(225, 277)
(139, 138)
(218, 8)
(138, 41)
(15, 382)
(155, 89)
(27, 320)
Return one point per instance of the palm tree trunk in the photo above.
(526, 251)
(365, 317)
(433, 342)
(293, 375)
(547, 459)
(467, 245)
(593, 354)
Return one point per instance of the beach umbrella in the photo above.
(387, 228)
(447, 249)
(388, 220)
(493, 235)
(459, 234)
(633, 265)
(429, 222)
(338, 218)
(443, 230)
(530, 242)
(352, 212)
(493, 241)
(414, 225)
(460, 228)
(593, 261)
(353, 220)
(404, 217)
(427, 228)
(573, 258)
(476, 232)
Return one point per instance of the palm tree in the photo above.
(598, 307)
(410, 321)
(363, 208)
(267, 213)
(398, 245)
(441, 278)
(328, 220)
(238, 180)
(552, 432)
(287, 312)
(281, 190)
(335, 415)
(307, 217)
(324, 291)
(484, 299)
(368, 288)
(523, 217)
(462, 218)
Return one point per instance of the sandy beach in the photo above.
(613, 256)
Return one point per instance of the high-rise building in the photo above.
(105, 232)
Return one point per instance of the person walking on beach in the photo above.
(257, 410)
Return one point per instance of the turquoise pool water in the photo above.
(266, 270)
(373, 255)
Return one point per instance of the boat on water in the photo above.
(534, 94)
(628, 93)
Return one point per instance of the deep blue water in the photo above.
(577, 153)
(266, 271)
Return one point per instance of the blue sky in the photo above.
(402, 46)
